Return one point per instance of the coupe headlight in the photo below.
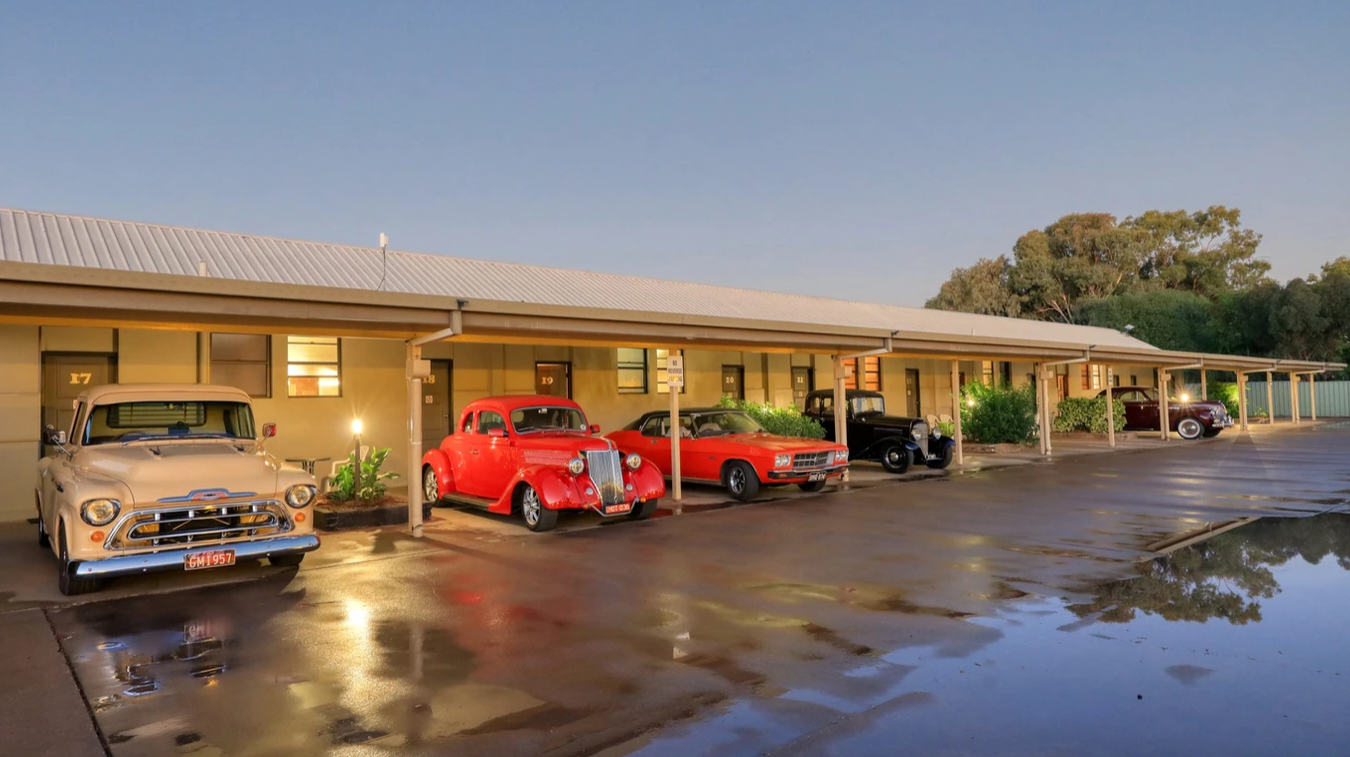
(300, 495)
(100, 512)
(937, 433)
(782, 461)
(916, 434)
(841, 456)
(576, 465)
(633, 462)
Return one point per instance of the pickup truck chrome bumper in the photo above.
(170, 559)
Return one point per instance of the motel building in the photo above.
(323, 334)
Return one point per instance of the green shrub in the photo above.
(947, 428)
(344, 488)
(1087, 414)
(1228, 395)
(998, 414)
(784, 421)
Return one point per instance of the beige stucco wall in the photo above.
(20, 419)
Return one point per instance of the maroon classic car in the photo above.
(1191, 419)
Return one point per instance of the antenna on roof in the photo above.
(201, 267)
(384, 259)
(1128, 328)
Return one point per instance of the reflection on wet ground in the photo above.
(1003, 613)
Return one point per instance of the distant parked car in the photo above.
(167, 477)
(1191, 419)
(536, 455)
(894, 441)
(729, 448)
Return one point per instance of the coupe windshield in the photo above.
(531, 419)
(132, 421)
(868, 405)
(720, 424)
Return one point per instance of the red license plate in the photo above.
(216, 558)
(616, 509)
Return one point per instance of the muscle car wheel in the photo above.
(431, 488)
(1190, 428)
(741, 480)
(66, 581)
(896, 459)
(537, 517)
(812, 486)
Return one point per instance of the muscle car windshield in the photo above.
(720, 424)
(137, 421)
(528, 420)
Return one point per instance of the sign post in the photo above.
(675, 382)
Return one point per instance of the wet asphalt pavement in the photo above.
(1019, 611)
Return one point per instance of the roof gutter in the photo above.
(870, 353)
(455, 329)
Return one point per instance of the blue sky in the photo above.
(847, 149)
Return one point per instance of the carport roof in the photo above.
(50, 239)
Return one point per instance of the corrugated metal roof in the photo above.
(66, 240)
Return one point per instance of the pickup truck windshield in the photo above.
(135, 421)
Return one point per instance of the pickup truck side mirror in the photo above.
(54, 437)
(269, 430)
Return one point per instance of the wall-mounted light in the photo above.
(357, 427)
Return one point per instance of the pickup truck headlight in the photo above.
(841, 456)
(100, 512)
(782, 461)
(633, 462)
(300, 495)
(576, 465)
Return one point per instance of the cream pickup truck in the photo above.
(167, 477)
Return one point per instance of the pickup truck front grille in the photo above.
(199, 524)
(811, 460)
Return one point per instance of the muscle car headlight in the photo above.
(633, 462)
(841, 456)
(100, 512)
(782, 461)
(576, 465)
(300, 495)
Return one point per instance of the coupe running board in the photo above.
(464, 499)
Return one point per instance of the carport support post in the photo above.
(1047, 412)
(1111, 407)
(1039, 373)
(1293, 397)
(676, 492)
(1242, 399)
(840, 407)
(414, 443)
(1204, 384)
(1164, 404)
(956, 412)
(1270, 398)
(1312, 394)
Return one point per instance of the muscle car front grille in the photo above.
(199, 524)
(811, 460)
(607, 472)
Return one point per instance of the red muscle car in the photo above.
(535, 455)
(729, 448)
(1190, 418)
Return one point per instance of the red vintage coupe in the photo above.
(729, 448)
(536, 455)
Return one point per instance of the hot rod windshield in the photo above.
(528, 420)
(868, 405)
(133, 421)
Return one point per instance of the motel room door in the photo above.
(436, 405)
(912, 403)
(64, 376)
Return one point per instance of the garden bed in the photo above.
(386, 511)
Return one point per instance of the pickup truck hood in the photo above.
(177, 472)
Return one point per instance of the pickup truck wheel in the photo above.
(896, 459)
(431, 488)
(1190, 428)
(287, 561)
(644, 510)
(537, 517)
(741, 481)
(812, 486)
(66, 581)
(944, 459)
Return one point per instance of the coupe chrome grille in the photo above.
(606, 471)
(921, 429)
(811, 460)
(199, 524)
